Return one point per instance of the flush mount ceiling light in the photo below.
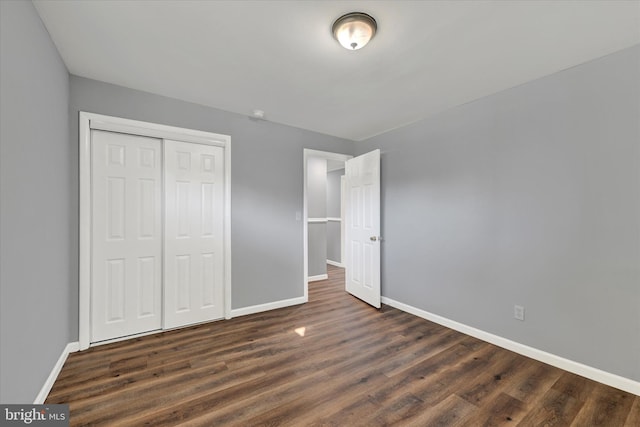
(354, 30)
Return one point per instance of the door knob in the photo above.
(373, 238)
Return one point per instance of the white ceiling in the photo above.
(280, 57)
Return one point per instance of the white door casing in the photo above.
(362, 227)
(194, 234)
(126, 257)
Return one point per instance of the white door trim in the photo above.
(89, 121)
(343, 192)
(305, 216)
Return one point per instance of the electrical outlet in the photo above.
(518, 312)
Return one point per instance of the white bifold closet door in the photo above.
(193, 268)
(126, 259)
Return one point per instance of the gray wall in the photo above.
(334, 193)
(334, 241)
(37, 272)
(266, 182)
(334, 200)
(317, 249)
(317, 208)
(531, 197)
(316, 187)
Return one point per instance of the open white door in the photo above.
(362, 227)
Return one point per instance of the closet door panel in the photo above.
(193, 253)
(126, 259)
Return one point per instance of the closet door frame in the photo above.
(91, 121)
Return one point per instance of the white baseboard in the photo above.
(266, 307)
(318, 277)
(72, 347)
(592, 373)
(335, 263)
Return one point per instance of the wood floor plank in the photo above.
(334, 361)
(355, 414)
(400, 410)
(318, 400)
(604, 407)
(456, 374)
(556, 409)
(535, 379)
(562, 403)
(503, 410)
(423, 349)
(253, 406)
(633, 419)
(489, 383)
(451, 412)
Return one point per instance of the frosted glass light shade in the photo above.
(354, 30)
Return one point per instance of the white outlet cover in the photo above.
(518, 312)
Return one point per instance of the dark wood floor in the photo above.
(334, 361)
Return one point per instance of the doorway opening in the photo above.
(323, 214)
